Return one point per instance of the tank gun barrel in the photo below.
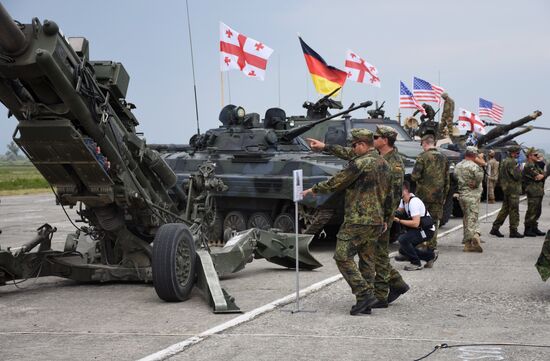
(12, 39)
(506, 138)
(503, 129)
(296, 132)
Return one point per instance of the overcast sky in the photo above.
(497, 50)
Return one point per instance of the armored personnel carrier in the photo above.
(255, 159)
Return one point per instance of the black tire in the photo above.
(174, 262)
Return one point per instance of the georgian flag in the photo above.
(476, 125)
(360, 71)
(242, 53)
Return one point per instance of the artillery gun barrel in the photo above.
(296, 132)
(499, 141)
(503, 129)
(12, 39)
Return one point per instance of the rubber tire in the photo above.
(165, 247)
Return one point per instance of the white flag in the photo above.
(242, 53)
(476, 124)
(360, 71)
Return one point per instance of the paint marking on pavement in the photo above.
(181, 346)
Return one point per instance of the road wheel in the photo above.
(260, 220)
(214, 231)
(284, 222)
(234, 220)
(174, 262)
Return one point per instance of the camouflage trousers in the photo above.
(510, 207)
(386, 275)
(491, 184)
(543, 263)
(436, 211)
(470, 219)
(534, 209)
(356, 239)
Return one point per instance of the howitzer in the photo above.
(76, 127)
(502, 140)
(503, 129)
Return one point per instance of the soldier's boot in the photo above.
(495, 232)
(529, 232)
(472, 246)
(476, 244)
(515, 234)
(364, 301)
(396, 291)
(538, 232)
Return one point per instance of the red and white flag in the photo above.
(360, 71)
(242, 53)
(476, 125)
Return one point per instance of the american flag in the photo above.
(407, 100)
(424, 91)
(490, 110)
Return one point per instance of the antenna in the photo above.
(193, 67)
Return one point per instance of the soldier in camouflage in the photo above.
(492, 174)
(510, 182)
(533, 178)
(470, 178)
(388, 283)
(446, 123)
(543, 262)
(365, 181)
(431, 174)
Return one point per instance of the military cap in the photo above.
(386, 131)
(472, 150)
(514, 149)
(358, 135)
(531, 150)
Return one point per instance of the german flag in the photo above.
(326, 78)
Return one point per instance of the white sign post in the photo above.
(298, 186)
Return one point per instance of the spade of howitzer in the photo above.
(137, 223)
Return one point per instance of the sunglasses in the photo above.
(377, 136)
(353, 145)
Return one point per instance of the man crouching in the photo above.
(367, 208)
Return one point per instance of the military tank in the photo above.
(337, 131)
(255, 159)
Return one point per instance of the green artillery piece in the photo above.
(138, 223)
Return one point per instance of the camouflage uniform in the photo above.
(535, 192)
(493, 178)
(446, 123)
(470, 178)
(367, 208)
(543, 263)
(431, 174)
(510, 181)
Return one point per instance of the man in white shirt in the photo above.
(414, 208)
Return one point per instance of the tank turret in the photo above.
(501, 130)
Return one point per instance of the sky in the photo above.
(497, 50)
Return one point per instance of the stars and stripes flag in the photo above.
(240, 52)
(361, 71)
(424, 91)
(490, 110)
(407, 99)
(470, 121)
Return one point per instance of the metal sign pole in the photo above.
(297, 260)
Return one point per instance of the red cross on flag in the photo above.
(360, 71)
(242, 53)
(476, 124)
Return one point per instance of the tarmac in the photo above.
(490, 306)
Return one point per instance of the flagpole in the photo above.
(279, 77)
(193, 67)
(229, 87)
(221, 87)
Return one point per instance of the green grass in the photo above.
(20, 176)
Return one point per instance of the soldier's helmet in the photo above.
(514, 149)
